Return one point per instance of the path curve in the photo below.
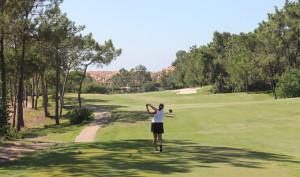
(88, 134)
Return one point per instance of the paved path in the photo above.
(88, 134)
(12, 152)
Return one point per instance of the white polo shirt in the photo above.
(158, 117)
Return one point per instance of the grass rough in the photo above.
(207, 135)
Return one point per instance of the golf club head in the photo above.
(170, 110)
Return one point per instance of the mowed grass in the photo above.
(40, 128)
(206, 135)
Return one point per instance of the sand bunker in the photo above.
(187, 90)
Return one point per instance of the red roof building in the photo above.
(102, 77)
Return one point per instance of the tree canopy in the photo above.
(244, 62)
(39, 46)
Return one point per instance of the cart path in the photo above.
(12, 152)
(88, 134)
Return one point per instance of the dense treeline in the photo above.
(251, 61)
(39, 46)
(131, 80)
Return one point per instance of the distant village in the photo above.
(104, 77)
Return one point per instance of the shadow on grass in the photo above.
(135, 157)
(49, 129)
(6, 144)
(67, 127)
(74, 100)
(169, 115)
(121, 116)
(117, 115)
(270, 93)
(129, 116)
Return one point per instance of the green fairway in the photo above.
(206, 135)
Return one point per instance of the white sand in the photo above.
(187, 90)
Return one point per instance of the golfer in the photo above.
(157, 126)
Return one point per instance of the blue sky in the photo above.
(150, 32)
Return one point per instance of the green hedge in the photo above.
(94, 88)
(288, 85)
(4, 117)
(79, 115)
(150, 86)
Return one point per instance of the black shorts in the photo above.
(157, 128)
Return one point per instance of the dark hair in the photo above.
(161, 106)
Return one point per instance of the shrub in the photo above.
(94, 88)
(288, 85)
(150, 86)
(215, 88)
(78, 115)
(51, 93)
(12, 133)
(4, 117)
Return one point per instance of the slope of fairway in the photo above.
(206, 135)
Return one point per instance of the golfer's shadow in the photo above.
(169, 115)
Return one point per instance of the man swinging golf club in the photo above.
(157, 126)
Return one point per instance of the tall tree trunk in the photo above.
(80, 85)
(37, 90)
(46, 92)
(45, 96)
(15, 103)
(26, 95)
(20, 92)
(272, 83)
(15, 93)
(64, 86)
(222, 85)
(247, 85)
(3, 76)
(11, 93)
(63, 90)
(32, 92)
(57, 88)
(222, 80)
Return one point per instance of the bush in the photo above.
(94, 88)
(51, 93)
(12, 133)
(78, 115)
(288, 85)
(215, 88)
(4, 117)
(150, 86)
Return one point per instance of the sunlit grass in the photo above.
(41, 128)
(206, 135)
